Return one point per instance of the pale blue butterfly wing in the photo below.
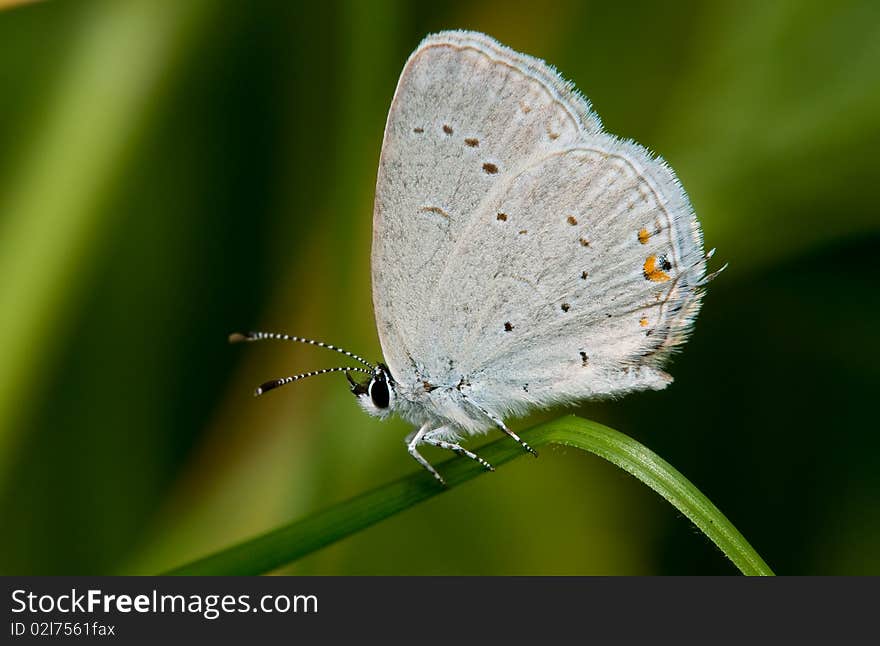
(520, 254)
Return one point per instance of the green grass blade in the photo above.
(291, 542)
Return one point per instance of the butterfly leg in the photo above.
(514, 436)
(412, 442)
(503, 428)
(433, 438)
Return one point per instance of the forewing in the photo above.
(467, 112)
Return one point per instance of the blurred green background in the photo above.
(173, 171)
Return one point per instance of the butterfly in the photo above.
(522, 257)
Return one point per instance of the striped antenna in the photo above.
(237, 337)
(277, 383)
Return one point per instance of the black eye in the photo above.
(378, 390)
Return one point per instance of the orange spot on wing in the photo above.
(644, 236)
(643, 322)
(652, 272)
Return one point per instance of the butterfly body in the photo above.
(522, 257)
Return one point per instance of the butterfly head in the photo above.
(376, 396)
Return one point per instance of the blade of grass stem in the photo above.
(297, 539)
